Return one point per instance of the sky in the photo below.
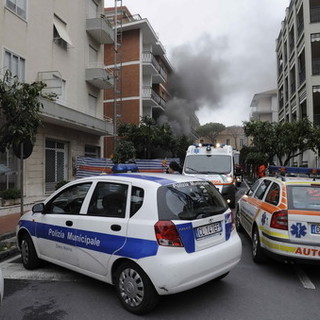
(223, 51)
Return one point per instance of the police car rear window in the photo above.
(190, 201)
(304, 197)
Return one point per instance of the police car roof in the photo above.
(158, 178)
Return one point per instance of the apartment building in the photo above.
(298, 64)
(141, 72)
(264, 106)
(231, 136)
(62, 44)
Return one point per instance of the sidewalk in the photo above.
(8, 222)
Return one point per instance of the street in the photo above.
(269, 291)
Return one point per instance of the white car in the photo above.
(1, 286)
(147, 234)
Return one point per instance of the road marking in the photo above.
(13, 269)
(306, 282)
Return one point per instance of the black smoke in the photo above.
(196, 82)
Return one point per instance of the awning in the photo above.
(61, 28)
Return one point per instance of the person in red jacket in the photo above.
(261, 171)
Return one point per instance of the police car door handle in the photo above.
(69, 223)
(115, 227)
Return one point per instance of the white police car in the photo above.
(147, 234)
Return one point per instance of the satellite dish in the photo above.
(27, 149)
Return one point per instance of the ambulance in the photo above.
(281, 215)
(214, 163)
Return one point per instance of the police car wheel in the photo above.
(29, 255)
(257, 252)
(134, 289)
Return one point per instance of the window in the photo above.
(273, 194)
(92, 101)
(15, 64)
(93, 56)
(305, 197)
(9, 170)
(92, 151)
(188, 201)
(109, 200)
(137, 196)
(18, 6)
(253, 188)
(69, 200)
(93, 9)
(262, 189)
(56, 163)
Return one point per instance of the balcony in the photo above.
(153, 68)
(100, 77)
(70, 117)
(100, 29)
(152, 99)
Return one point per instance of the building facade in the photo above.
(141, 69)
(231, 136)
(61, 44)
(264, 106)
(298, 64)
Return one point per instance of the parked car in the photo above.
(1, 287)
(147, 234)
(282, 217)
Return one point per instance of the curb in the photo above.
(8, 253)
(8, 245)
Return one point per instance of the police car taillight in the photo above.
(279, 220)
(167, 234)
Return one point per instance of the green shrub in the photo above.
(10, 194)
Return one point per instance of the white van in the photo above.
(215, 164)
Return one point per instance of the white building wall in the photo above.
(32, 39)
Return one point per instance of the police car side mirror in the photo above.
(38, 208)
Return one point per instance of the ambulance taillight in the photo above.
(279, 220)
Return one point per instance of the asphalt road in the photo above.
(250, 292)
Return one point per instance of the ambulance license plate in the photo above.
(208, 230)
(315, 228)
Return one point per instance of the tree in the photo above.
(19, 111)
(210, 130)
(124, 152)
(283, 140)
(147, 136)
(234, 132)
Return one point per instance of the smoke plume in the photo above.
(196, 82)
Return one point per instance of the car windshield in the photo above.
(190, 201)
(207, 164)
(304, 197)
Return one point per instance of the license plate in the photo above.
(208, 230)
(315, 228)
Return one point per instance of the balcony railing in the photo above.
(159, 74)
(71, 117)
(151, 98)
(100, 29)
(100, 77)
